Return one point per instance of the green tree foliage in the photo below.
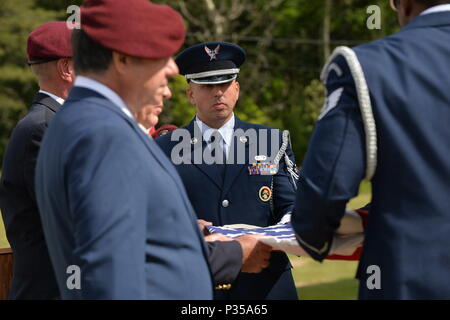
(285, 40)
(17, 83)
(285, 51)
(177, 110)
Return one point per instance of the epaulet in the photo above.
(365, 104)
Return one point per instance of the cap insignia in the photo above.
(212, 53)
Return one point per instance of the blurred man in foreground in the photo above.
(117, 219)
(110, 208)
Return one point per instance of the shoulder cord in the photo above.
(365, 104)
(290, 166)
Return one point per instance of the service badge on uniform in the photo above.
(265, 193)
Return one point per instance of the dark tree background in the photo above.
(287, 42)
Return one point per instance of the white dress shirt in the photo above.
(58, 99)
(226, 131)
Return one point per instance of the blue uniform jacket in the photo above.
(409, 221)
(113, 206)
(235, 199)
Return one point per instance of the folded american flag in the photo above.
(281, 237)
(278, 231)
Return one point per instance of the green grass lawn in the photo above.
(314, 281)
(330, 280)
(363, 198)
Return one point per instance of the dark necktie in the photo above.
(217, 147)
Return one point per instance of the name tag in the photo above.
(261, 158)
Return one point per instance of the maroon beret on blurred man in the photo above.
(49, 55)
(50, 41)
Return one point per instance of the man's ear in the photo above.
(120, 62)
(65, 69)
(238, 87)
(190, 95)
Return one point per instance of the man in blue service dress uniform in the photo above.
(387, 119)
(50, 57)
(226, 258)
(114, 213)
(251, 182)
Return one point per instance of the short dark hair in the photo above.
(89, 55)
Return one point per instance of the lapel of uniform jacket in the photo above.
(198, 145)
(234, 168)
(46, 101)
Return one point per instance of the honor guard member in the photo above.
(115, 215)
(226, 257)
(386, 118)
(50, 57)
(250, 183)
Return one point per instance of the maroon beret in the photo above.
(136, 28)
(49, 41)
